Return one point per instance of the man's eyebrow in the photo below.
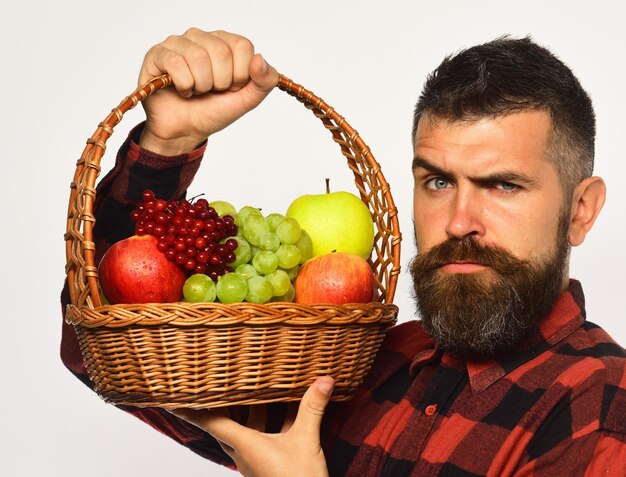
(487, 180)
(506, 176)
(424, 164)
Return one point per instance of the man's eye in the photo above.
(506, 186)
(437, 183)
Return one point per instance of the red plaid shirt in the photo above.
(556, 406)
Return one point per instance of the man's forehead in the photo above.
(539, 119)
(515, 139)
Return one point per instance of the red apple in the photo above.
(335, 278)
(134, 271)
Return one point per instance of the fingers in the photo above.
(187, 63)
(200, 61)
(313, 405)
(244, 51)
(264, 76)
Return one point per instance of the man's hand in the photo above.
(295, 451)
(217, 79)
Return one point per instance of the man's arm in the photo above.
(217, 79)
(135, 170)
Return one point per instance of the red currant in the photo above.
(189, 233)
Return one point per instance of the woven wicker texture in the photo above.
(203, 355)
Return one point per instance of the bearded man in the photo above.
(493, 143)
(502, 375)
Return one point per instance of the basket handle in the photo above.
(81, 269)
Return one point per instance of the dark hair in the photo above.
(511, 75)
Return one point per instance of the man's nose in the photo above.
(466, 216)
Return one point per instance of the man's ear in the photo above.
(587, 201)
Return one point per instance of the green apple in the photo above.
(336, 221)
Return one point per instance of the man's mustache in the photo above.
(467, 250)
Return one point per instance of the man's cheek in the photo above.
(425, 240)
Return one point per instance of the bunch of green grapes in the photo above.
(270, 250)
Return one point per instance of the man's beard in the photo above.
(487, 312)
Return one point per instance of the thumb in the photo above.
(263, 76)
(313, 405)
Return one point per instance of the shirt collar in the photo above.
(567, 315)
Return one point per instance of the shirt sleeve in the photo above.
(136, 170)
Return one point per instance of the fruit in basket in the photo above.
(335, 278)
(288, 297)
(274, 219)
(231, 288)
(270, 250)
(223, 208)
(260, 290)
(305, 244)
(211, 241)
(265, 261)
(191, 234)
(243, 252)
(336, 221)
(133, 270)
(289, 230)
(288, 256)
(280, 282)
(199, 288)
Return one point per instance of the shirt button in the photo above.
(430, 409)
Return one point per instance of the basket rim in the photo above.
(218, 315)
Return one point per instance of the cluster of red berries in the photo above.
(191, 234)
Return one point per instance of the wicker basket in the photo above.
(203, 355)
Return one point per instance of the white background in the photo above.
(65, 64)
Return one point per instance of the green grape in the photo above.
(274, 219)
(259, 290)
(288, 230)
(247, 211)
(265, 262)
(255, 226)
(288, 256)
(243, 252)
(231, 288)
(223, 208)
(289, 296)
(246, 270)
(199, 288)
(280, 281)
(293, 272)
(269, 241)
(305, 244)
(239, 224)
